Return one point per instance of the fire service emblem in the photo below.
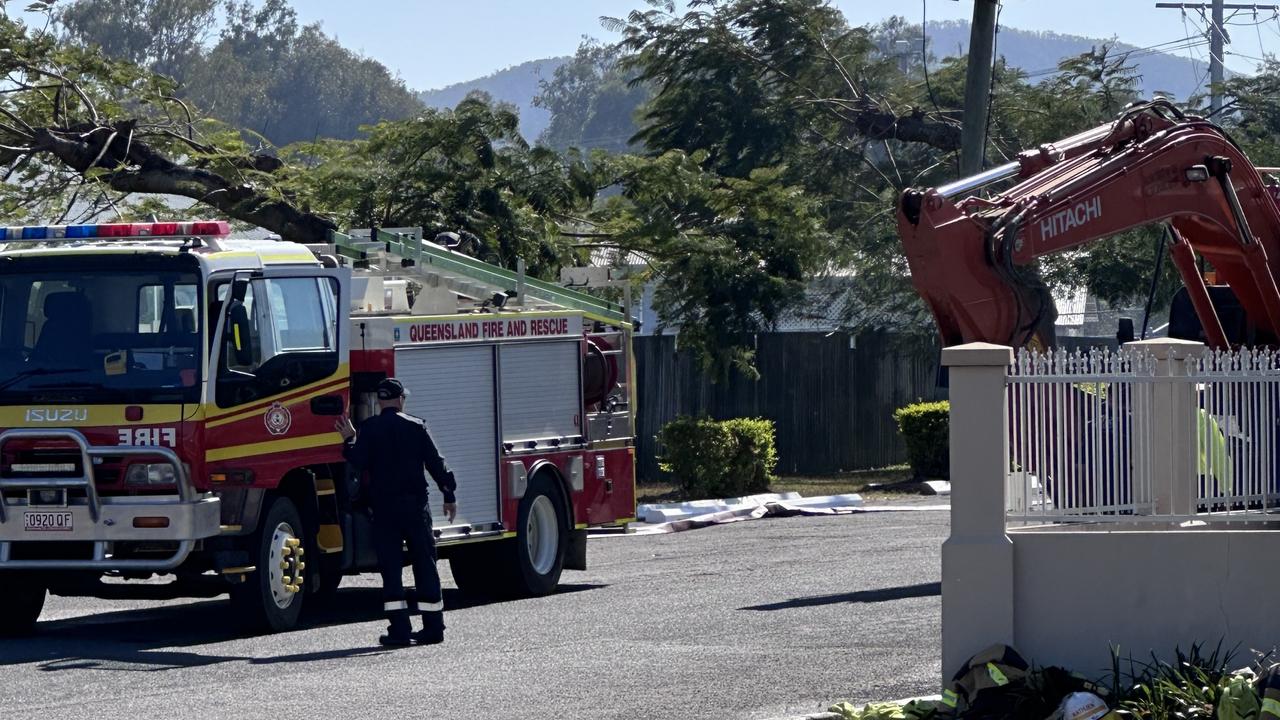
(278, 419)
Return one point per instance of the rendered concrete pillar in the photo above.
(1174, 463)
(977, 559)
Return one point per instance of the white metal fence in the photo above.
(1236, 429)
(1122, 437)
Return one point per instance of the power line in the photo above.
(1247, 57)
(1194, 70)
(1218, 37)
(1168, 47)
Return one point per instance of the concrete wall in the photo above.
(1078, 593)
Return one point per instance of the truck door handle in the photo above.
(327, 405)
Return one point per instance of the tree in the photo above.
(466, 170)
(162, 35)
(1253, 112)
(592, 101)
(265, 72)
(290, 83)
(80, 133)
(787, 88)
(729, 254)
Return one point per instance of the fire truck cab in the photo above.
(168, 395)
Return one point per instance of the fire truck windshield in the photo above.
(98, 329)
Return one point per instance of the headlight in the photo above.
(143, 474)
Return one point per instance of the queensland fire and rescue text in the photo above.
(446, 330)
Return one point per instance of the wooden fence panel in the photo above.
(832, 396)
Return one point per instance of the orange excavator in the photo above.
(972, 257)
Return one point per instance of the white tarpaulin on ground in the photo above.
(675, 517)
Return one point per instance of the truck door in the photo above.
(280, 373)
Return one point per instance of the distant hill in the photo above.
(1032, 51)
(1036, 51)
(517, 85)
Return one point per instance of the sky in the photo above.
(433, 43)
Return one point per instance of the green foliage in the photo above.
(466, 170)
(83, 135)
(925, 427)
(264, 73)
(1194, 685)
(728, 253)
(1253, 112)
(592, 101)
(163, 35)
(719, 458)
(1197, 684)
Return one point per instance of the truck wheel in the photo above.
(474, 570)
(330, 577)
(541, 537)
(271, 598)
(20, 604)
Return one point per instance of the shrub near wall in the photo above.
(719, 458)
(925, 428)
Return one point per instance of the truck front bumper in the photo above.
(167, 526)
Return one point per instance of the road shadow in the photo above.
(901, 592)
(154, 639)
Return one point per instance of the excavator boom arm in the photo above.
(972, 258)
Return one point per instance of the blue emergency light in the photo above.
(115, 230)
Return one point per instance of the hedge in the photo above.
(718, 458)
(926, 427)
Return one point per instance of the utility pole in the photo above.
(1217, 39)
(977, 86)
(1217, 46)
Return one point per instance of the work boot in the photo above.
(432, 632)
(398, 629)
(394, 641)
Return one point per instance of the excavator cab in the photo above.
(1184, 323)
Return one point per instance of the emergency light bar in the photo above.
(115, 230)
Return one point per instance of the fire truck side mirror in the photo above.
(239, 289)
(239, 333)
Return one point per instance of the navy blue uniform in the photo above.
(395, 448)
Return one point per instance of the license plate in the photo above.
(44, 521)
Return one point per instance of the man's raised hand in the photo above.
(344, 427)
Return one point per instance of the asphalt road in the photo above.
(759, 619)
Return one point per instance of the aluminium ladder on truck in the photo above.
(401, 252)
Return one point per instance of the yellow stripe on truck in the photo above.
(332, 383)
(257, 410)
(236, 452)
(36, 415)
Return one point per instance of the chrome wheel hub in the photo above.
(285, 565)
(542, 535)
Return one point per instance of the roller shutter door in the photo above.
(541, 395)
(452, 389)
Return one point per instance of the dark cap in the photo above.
(390, 389)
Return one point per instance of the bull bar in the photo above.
(105, 520)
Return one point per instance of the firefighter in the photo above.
(394, 448)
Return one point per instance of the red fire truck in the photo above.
(168, 396)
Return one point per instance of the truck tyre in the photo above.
(20, 604)
(271, 598)
(475, 568)
(542, 533)
(326, 587)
